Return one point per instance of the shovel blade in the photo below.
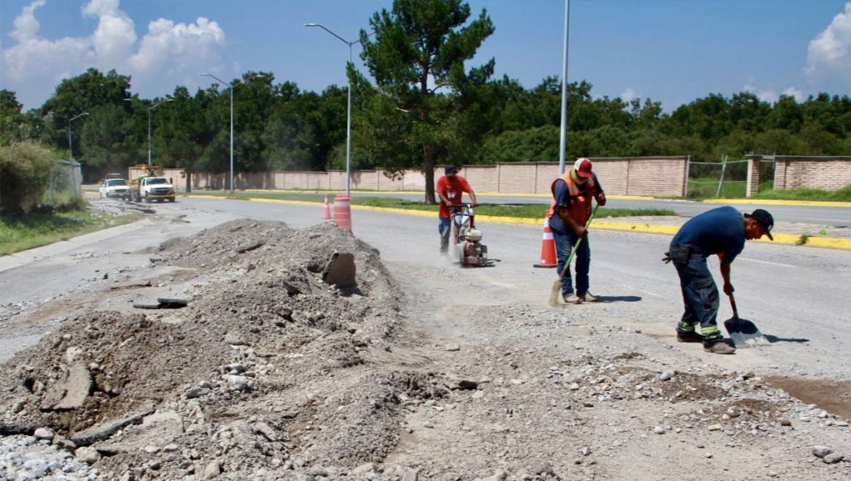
(744, 333)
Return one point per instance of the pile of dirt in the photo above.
(268, 367)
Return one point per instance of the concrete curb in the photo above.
(809, 203)
(779, 238)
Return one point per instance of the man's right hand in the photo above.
(581, 231)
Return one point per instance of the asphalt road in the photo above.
(835, 216)
(797, 295)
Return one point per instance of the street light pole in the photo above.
(563, 139)
(149, 126)
(231, 123)
(70, 145)
(231, 118)
(348, 108)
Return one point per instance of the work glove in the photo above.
(668, 258)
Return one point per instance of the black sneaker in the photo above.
(689, 337)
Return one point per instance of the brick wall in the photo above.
(482, 178)
(516, 178)
(828, 173)
(660, 176)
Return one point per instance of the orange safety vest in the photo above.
(580, 200)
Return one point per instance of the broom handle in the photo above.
(733, 304)
(576, 246)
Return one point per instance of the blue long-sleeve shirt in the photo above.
(720, 230)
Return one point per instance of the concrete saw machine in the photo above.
(467, 239)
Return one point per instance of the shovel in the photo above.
(743, 332)
(556, 290)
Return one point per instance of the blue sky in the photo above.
(672, 51)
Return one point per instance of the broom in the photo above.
(557, 284)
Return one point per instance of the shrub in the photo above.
(24, 177)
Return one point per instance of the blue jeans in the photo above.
(443, 228)
(564, 244)
(700, 295)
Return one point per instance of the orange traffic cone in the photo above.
(343, 212)
(327, 213)
(548, 247)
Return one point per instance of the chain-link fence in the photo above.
(766, 173)
(66, 180)
(727, 178)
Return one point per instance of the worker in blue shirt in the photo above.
(723, 232)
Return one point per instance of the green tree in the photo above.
(80, 94)
(289, 134)
(11, 119)
(419, 49)
(184, 132)
(107, 138)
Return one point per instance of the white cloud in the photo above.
(829, 54)
(764, 95)
(628, 94)
(168, 54)
(176, 47)
(26, 25)
(771, 96)
(793, 92)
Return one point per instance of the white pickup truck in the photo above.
(156, 188)
(115, 188)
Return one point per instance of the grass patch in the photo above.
(19, 233)
(525, 211)
(707, 188)
(841, 195)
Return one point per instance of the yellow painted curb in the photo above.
(811, 203)
(829, 242)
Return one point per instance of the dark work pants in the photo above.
(700, 296)
(565, 240)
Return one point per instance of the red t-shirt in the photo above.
(453, 189)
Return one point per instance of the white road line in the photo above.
(767, 262)
(646, 292)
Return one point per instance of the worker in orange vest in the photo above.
(570, 209)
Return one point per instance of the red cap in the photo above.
(583, 168)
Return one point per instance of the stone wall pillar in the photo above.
(753, 175)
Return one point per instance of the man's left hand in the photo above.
(728, 289)
(601, 198)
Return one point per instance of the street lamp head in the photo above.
(310, 25)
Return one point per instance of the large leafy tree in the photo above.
(108, 139)
(11, 119)
(289, 134)
(184, 131)
(417, 60)
(80, 94)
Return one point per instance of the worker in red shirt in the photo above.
(450, 188)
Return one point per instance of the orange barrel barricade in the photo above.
(343, 212)
(326, 214)
(548, 247)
